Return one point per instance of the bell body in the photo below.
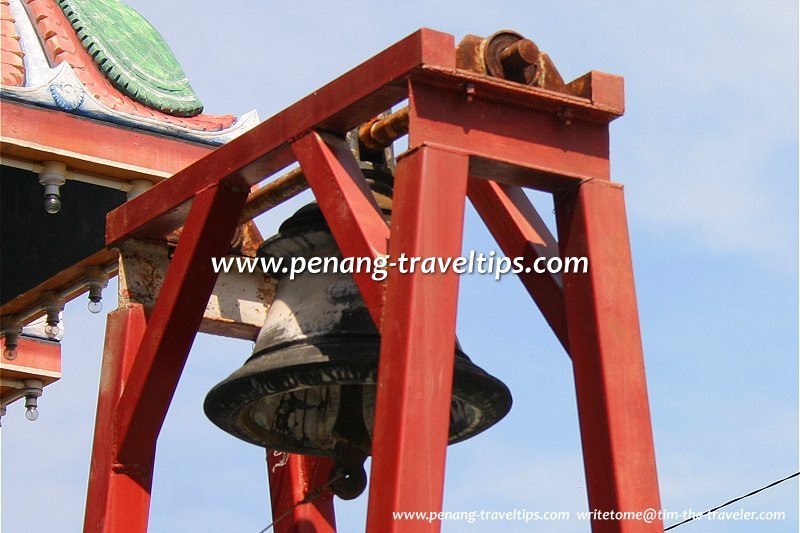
(309, 386)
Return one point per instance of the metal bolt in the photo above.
(469, 89)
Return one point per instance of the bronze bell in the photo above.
(309, 387)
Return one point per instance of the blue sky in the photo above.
(707, 151)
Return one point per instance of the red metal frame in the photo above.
(345, 198)
(469, 135)
(607, 351)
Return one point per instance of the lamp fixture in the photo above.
(53, 176)
(11, 335)
(96, 280)
(52, 304)
(32, 391)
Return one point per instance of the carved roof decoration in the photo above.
(132, 55)
(101, 59)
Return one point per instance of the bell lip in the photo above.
(226, 403)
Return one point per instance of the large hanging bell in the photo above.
(309, 387)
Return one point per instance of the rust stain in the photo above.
(510, 56)
(266, 292)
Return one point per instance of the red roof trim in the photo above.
(12, 67)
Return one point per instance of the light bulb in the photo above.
(94, 306)
(32, 413)
(51, 330)
(52, 203)
(10, 353)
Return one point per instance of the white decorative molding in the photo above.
(60, 88)
(37, 67)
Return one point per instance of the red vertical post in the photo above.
(608, 365)
(415, 373)
(292, 479)
(112, 489)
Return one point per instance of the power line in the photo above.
(310, 498)
(787, 478)
(313, 495)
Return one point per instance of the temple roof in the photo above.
(132, 55)
(100, 58)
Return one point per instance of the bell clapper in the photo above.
(348, 478)
(352, 447)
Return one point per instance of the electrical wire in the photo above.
(316, 493)
(787, 478)
(310, 497)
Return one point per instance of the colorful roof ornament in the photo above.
(132, 54)
(102, 59)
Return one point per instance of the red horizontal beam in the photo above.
(516, 144)
(90, 145)
(36, 358)
(339, 106)
(600, 98)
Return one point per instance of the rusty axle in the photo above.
(380, 132)
(517, 60)
(274, 193)
(376, 134)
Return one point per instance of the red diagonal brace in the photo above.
(174, 321)
(520, 232)
(348, 206)
(415, 372)
(607, 358)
